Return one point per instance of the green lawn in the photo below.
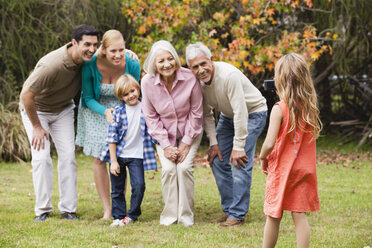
(345, 219)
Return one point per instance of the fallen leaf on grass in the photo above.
(325, 157)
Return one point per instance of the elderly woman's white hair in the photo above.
(194, 50)
(149, 64)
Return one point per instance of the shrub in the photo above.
(14, 145)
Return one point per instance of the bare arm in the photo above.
(38, 131)
(276, 118)
(114, 167)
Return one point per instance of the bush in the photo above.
(14, 145)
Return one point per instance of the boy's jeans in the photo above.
(234, 184)
(137, 181)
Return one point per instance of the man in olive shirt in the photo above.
(47, 108)
(243, 117)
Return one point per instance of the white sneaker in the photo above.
(117, 222)
(127, 220)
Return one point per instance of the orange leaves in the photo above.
(245, 33)
(309, 33)
(315, 55)
(221, 18)
(309, 3)
(296, 3)
(218, 16)
(255, 69)
(270, 11)
(270, 66)
(142, 29)
(242, 54)
(256, 21)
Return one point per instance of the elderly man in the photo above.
(47, 108)
(243, 117)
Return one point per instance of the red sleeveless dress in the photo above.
(291, 182)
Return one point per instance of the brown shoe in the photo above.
(219, 220)
(232, 222)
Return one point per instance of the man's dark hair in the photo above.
(83, 29)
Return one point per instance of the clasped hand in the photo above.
(177, 154)
(108, 115)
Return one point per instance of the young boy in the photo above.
(128, 145)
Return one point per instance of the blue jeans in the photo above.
(234, 184)
(137, 181)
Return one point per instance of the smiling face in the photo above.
(165, 63)
(115, 52)
(85, 48)
(130, 97)
(203, 68)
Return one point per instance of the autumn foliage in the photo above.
(250, 34)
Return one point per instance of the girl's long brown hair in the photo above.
(295, 87)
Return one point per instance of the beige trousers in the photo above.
(60, 126)
(177, 182)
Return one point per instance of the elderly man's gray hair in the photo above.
(194, 50)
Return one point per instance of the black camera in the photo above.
(269, 85)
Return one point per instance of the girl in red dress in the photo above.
(288, 154)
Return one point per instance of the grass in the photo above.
(345, 219)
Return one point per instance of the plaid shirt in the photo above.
(116, 134)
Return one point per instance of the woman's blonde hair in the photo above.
(295, 87)
(149, 64)
(109, 37)
(123, 85)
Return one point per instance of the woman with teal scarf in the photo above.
(97, 102)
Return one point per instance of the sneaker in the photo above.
(127, 220)
(42, 217)
(69, 216)
(117, 222)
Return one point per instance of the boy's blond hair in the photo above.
(123, 85)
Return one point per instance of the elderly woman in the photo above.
(172, 105)
(97, 102)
